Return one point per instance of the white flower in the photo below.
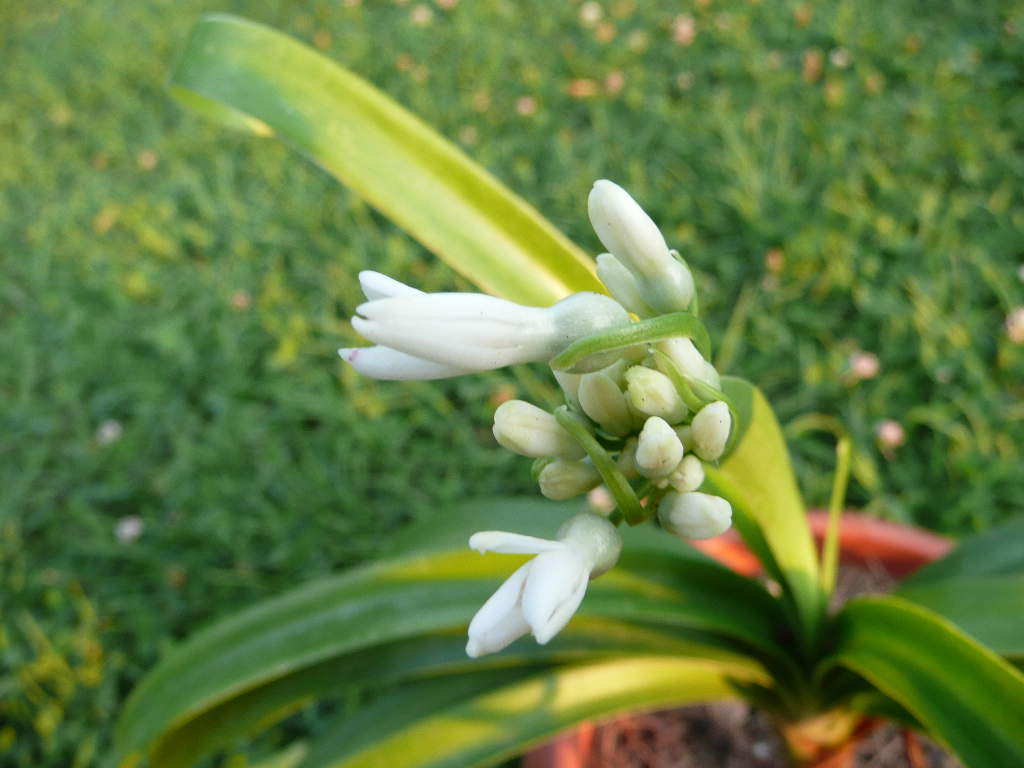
(711, 430)
(542, 595)
(663, 282)
(659, 449)
(466, 332)
(525, 429)
(695, 515)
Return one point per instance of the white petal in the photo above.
(553, 580)
(391, 365)
(500, 620)
(512, 543)
(562, 614)
(379, 286)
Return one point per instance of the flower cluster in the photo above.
(644, 415)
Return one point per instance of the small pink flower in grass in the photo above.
(864, 365)
(1015, 325)
(890, 435)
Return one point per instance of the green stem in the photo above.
(836, 503)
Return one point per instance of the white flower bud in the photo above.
(689, 361)
(663, 282)
(653, 394)
(603, 401)
(622, 284)
(695, 515)
(626, 230)
(711, 430)
(567, 479)
(530, 431)
(570, 384)
(658, 450)
(688, 476)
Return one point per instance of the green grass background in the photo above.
(193, 285)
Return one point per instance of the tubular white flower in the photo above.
(622, 284)
(653, 394)
(391, 365)
(476, 332)
(663, 282)
(711, 430)
(695, 515)
(659, 449)
(563, 479)
(525, 429)
(603, 401)
(542, 595)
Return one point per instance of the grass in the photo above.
(843, 178)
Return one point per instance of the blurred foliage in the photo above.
(844, 177)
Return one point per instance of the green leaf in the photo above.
(251, 77)
(757, 478)
(482, 722)
(988, 608)
(260, 707)
(962, 692)
(674, 325)
(428, 592)
(995, 552)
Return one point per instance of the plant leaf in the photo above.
(962, 692)
(252, 77)
(989, 608)
(420, 656)
(995, 552)
(432, 725)
(757, 478)
(429, 592)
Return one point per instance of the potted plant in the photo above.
(684, 453)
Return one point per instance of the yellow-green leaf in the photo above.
(252, 77)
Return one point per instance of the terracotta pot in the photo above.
(899, 549)
(866, 541)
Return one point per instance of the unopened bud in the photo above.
(711, 430)
(603, 401)
(688, 361)
(563, 479)
(658, 451)
(695, 515)
(527, 430)
(570, 384)
(622, 284)
(664, 282)
(653, 394)
(688, 476)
